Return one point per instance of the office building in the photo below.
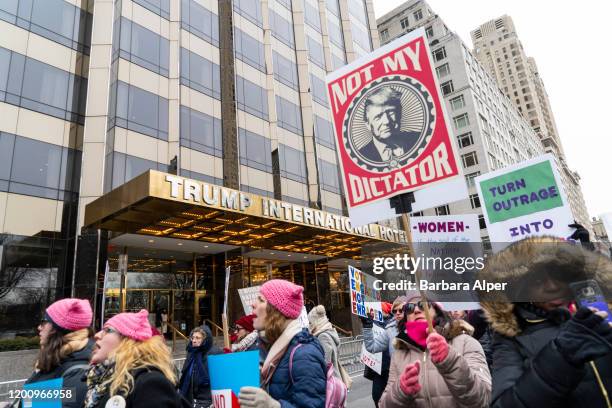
(223, 97)
(489, 132)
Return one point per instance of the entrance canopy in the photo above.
(165, 205)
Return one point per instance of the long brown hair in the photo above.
(275, 324)
(59, 345)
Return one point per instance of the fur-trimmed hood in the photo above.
(449, 331)
(527, 258)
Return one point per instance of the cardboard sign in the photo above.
(392, 135)
(229, 373)
(365, 300)
(372, 360)
(525, 199)
(445, 228)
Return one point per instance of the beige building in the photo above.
(229, 93)
(489, 132)
(498, 48)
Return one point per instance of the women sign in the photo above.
(523, 200)
(391, 132)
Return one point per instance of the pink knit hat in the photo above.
(70, 314)
(284, 296)
(133, 325)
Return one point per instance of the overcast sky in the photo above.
(569, 43)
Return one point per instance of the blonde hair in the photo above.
(132, 355)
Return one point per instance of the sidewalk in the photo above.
(360, 395)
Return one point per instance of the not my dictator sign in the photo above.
(391, 132)
(524, 199)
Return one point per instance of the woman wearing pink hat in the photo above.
(131, 366)
(294, 371)
(65, 347)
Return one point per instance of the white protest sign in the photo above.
(445, 228)
(365, 300)
(522, 200)
(373, 360)
(247, 297)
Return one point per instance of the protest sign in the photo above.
(392, 135)
(365, 300)
(373, 360)
(247, 297)
(445, 228)
(525, 199)
(229, 373)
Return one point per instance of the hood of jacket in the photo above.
(333, 334)
(526, 259)
(206, 344)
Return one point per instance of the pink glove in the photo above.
(438, 347)
(409, 380)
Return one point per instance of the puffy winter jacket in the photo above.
(330, 341)
(382, 341)
(74, 379)
(307, 390)
(461, 380)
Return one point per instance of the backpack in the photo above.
(335, 389)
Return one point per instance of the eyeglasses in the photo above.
(410, 307)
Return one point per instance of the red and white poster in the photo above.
(392, 136)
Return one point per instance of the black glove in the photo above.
(585, 337)
(366, 322)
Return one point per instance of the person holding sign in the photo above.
(543, 356)
(294, 372)
(65, 347)
(446, 368)
(131, 368)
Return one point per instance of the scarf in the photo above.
(98, 382)
(196, 374)
(417, 331)
(324, 327)
(278, 350)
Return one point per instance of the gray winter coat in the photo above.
(330, 341)
(382, 341)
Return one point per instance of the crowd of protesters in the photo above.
(508, 354)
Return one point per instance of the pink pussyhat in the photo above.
(284, 296)
(70, 314)
(133, 325)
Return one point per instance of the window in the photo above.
(461, 121)
(282, 29)
(38, 169)
(429, 31)
(144, 47)
(418, 15)
(200, 21)
(384, 35)
(289, 115)
(200, 74)
(318, 90)
(249, 50)
(286, 3)
(251, 98)
(285, 71)
(443, 210)
(56, 20)
(140, 111)
(324, 132)
(474, 201)
(328, 176)
(469, 159)
(439, 54)
(465, 139)
(201, 132)
(481, 222)
(292, 163)
(159, 7)
(357, 10)
(338, 61)
(417, 214)
(334, 32)
(255, 150)
(469, 178)
(443, 70)
(315, 52)
(457, 102)
(33, 85)
(121, 168)
(311, 16)
(255, 190)
(332, 5)
(361, 37)
(404, 23)
(249, 9)
(447, 87)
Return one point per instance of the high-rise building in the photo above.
(498, 48)
(230, 94)
(489, 131)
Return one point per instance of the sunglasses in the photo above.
(398, 310)
(410, 307)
